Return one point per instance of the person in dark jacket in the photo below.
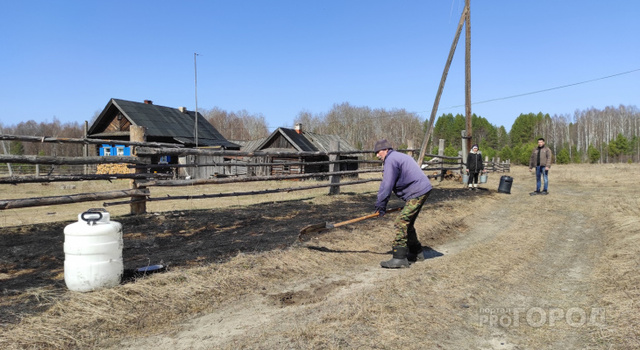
(475, 166)
(402, 176)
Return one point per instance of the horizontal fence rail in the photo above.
(13, 180)
(173, 183)
(248, 193)
(143, 173)
(72, 160)
(247, 164)
(86, 141)
(72, 198)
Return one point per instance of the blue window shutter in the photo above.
(127, 151)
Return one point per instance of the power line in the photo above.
(549, 89)
(407, 113)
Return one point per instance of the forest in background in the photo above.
(591, 135)
(588, 136)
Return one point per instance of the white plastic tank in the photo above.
(93, 252)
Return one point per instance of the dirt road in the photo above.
(514, 272)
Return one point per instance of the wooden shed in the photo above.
(297, 140)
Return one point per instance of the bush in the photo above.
(562, 157)
(594, 154)
(488, 152)
(451, 151)
(524, 152)
(506, 153)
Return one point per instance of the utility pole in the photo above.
(467, 74)
(434, 110)
(195, 69)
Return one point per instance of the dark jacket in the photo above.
(402, 175)
(474, 162)
(545, 157)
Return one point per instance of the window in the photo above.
(120, 151)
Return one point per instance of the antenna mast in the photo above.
(195, 69)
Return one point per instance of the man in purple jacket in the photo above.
(402, 176)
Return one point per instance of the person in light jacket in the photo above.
(541, 160)
(475, 166)
(402, 176)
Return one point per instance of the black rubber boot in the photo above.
(398, 260)
(415, 253)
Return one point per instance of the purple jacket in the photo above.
(402, 175)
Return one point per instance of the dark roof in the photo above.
(298, 140)
(249, 145)
(162, 122)
(323, 142)
(307, 141)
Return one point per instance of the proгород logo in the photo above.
(537, 316)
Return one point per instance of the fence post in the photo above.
(440, 154)
(4, 148)
(411, 153)
(464, 150)
(334, 146)
(85, 147)
(138, 204)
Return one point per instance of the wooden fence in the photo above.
(143, 174)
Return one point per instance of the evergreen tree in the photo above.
(503, 137)
(451, 151)
(506, 153)
(523, 128)
(622, 144)
(488, 152)
(576, 156)
(483, 132)
(16, 148)
(594, 154)
(563, 156)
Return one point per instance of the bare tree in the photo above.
(237, 125)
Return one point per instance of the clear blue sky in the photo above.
(66, 59)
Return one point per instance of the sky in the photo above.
(277, 58)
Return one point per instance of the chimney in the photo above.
(182, 110)
(298, 128)
(148, 102)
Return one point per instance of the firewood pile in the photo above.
(449, 175)
(113, 169)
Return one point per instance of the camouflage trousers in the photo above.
(403, 225)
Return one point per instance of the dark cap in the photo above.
(474, 146)
(382, 144)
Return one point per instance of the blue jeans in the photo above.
(540, 171)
